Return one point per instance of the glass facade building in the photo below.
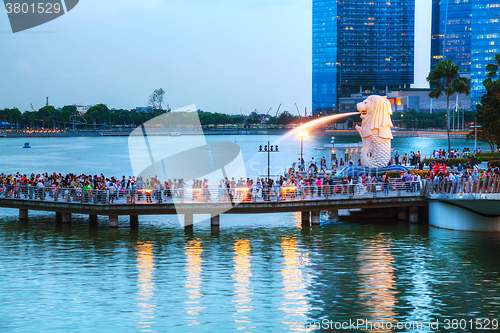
(360, 46)
(467, 32)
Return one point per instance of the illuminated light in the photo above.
(302, 134)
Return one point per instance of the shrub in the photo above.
(448, 162)
(422, 173)
(487, 156)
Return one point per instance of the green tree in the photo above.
(488, 116)
(493, 86)
(98, 113)
(47, 114)
(445, 79)
(156, 98)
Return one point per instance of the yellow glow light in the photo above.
(302, 134)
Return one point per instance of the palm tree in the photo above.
(445, 79)
(491, 71)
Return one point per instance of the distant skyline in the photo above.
(220, 55)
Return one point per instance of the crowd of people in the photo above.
(102, 189)
(308, 181)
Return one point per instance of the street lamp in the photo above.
(268, 149)
(302, 135)
(475, 135)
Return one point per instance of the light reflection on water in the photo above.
(272, 278)
(193, 281)
(377, 292)
(294, 303)
(242, 274)
(145, 266)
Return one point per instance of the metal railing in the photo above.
(470, 186)
(338, 191)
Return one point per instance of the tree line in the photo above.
(100, 114)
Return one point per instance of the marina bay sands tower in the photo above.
(360, 46)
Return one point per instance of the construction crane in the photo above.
(277, 111)
(298, 110)
(32, 108)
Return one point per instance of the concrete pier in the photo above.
(306, 218)
(413, 214)
(188, 221)
(93, 221)
(113, 221)
(66, 217)
(134, 221)
(23, 214)
(215, 220)
(402, 213)
(58, 218)
(315, 217)
(333, 214)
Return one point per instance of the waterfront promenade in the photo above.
(308, 200)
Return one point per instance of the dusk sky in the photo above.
(221, 55)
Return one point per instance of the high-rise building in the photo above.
(467, 32)
(360, 46)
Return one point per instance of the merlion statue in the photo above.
(375, 131)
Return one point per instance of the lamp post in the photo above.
(268, 149)
(302, 135)
(475, 135)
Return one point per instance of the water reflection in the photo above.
(241, 276)
(193, 250)
(295, 304)
(145, 266)
(377, 292)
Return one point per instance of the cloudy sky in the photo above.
(222, 55)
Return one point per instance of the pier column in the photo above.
(23, 214)
(402, 213)
(315, 217)
(413, 214)
(93, 221)
(306, 219)
(134, 221)
(188, 221)
(113, 221)
(66, 217)
(333, 214)
(215, 221)
(59, 218)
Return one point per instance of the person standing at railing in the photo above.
(140, 187)
(132, 192)
(86, 192)
(148, 190)
(319, 187)
(39, 190)
(112, 192)
(258, 188)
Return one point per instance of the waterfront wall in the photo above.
(432, 134)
